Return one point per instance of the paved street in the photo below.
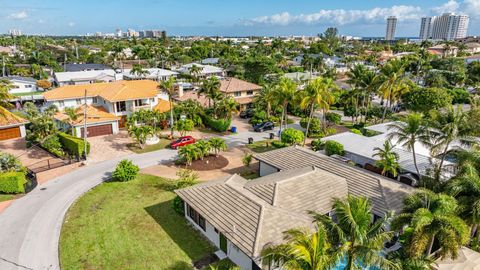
(30, 227)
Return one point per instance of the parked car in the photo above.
(182, 141)
(248, 113)
(263, 126)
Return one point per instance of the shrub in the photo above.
(292, 136)
(356, 131)
(178, 205)
(333, 118)
(220, 125)
(9, 163)
(186, 178)
(12, 182)
(315, 125)
(278, 144)
(73, 145)
(459, 95)
(45, 84)
(334, 148)
(125, 171)
(183, 126)
(247, 159)
(318, 145)
(218, 144)
(52, 144)
(189, 153)
(258, 117)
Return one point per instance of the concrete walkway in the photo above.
(30, 228)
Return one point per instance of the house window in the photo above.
(237, 94)
(28, 86)
(121, 106)
(196, 217)
(201, 222)
(140, 102)
(61, 103)
(249, 93)
(79, 101)
(94, 100)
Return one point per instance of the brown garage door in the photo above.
(9, 133)
(98, 130)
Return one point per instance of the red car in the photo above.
(182, 141)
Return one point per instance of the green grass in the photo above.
(149, 148)
(28, 94)
(129, 225)
(261, 146)
(6, 197)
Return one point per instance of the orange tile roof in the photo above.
(9, 119)
(230, 85)
(162, 106)
(114, 91)
(202, 99)
(94, 115)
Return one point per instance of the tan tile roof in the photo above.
(254, 213)
(94, 115)
(385, 194)
(231, 85)
(9, 119)
(162, 106)
(193, 95)
(114, 91)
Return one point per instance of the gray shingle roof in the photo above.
(385, 194)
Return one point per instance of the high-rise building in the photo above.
(425, 28)
(15, 32)
(448, 26)
(119, 33)
(391, 27)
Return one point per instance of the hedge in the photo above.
(220, 125)
(12, 182)
(73, 145)
(333, 148)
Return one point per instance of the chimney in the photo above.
(180, 90)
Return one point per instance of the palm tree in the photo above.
(218, 144)
(285, 92)
(204, 148)
(388, 161)
(317, 94)
(210, 87)
(189, 153)
(303, 249)
(169, 87)
(450, 125)
(410, 132)
(362, 79)
(358, 239)
(5, 96)
(228, 106)
(138, 71)
(195, 71)
(140, 134)
(427, 218)
(267, 96)
(391, 81)
(72, 115)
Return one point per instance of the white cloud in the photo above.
(18, 16)
(471, 7)
(71, 24)
(340, 16)
(450, 6)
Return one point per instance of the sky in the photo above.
(365, 18)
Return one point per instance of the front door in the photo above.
(223, 243)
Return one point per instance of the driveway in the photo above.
(30, 228)
(110, 146)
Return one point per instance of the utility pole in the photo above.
(65, 63)
(85, 128)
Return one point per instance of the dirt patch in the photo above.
(208, 163)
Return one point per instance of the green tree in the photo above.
(210, 88)
(426, 99)
(412, 131)
(391, 83)
(286, 92)
(218, 144)
(388, 159)
(183, 126)
(430, 218)
(204, 147)
(169, 87)
(189, 153)
(358, 239)
(140, 134)
(138, 70)
(125, 171)
(5, 96)
(292, 136)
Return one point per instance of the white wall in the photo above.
(78, 129)
(21, 87)
(70, 103)
(266, 169)
(23, 132)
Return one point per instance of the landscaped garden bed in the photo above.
(129, 225)
(134, 147)
(208, 163)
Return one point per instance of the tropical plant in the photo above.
(5, 96)
(189, 153)
(210, 88)
(138, 70)
(357, 239)
(292, 136)
(204, 148)
(388, 159)
(125, 171)
(169, 87)
(285, 92)
(334, 148)
(410, 132)
(183, 126)
(218, 144)
(429, 218)
(247, 159)
(140, 134)
(227, 107)
(392, 83)
(10, 163)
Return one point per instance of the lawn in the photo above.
(6, 197)
(129, 225)
(29, 94)
(262, 146)
(149, 148)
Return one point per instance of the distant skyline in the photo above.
(227, 18)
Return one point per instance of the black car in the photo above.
(263, 126)
(247, 113)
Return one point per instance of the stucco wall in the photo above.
(23, 88)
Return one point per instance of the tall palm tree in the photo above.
(451, 125)
(427, 218)
(388, 161)
(267, 97)
(363, 79)
(5, 96)
(72, 115)
(392, 81)
(169, 87)
(358, 240)
(303, 249)
(317, 94)
(286, 92)
(210, 87)
(410, 132)
(138, 70)
(228, 106)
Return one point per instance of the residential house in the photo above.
(204, 70)
(241, 217)
(84, 67)
(119, 99)
(443, 50)
(156, 74)
(22, 85)
(8, 50)
(86, 77)
(11, 125)
(99, 121)
(210, 61)
(472, 47)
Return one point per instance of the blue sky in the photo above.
(217, 17)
